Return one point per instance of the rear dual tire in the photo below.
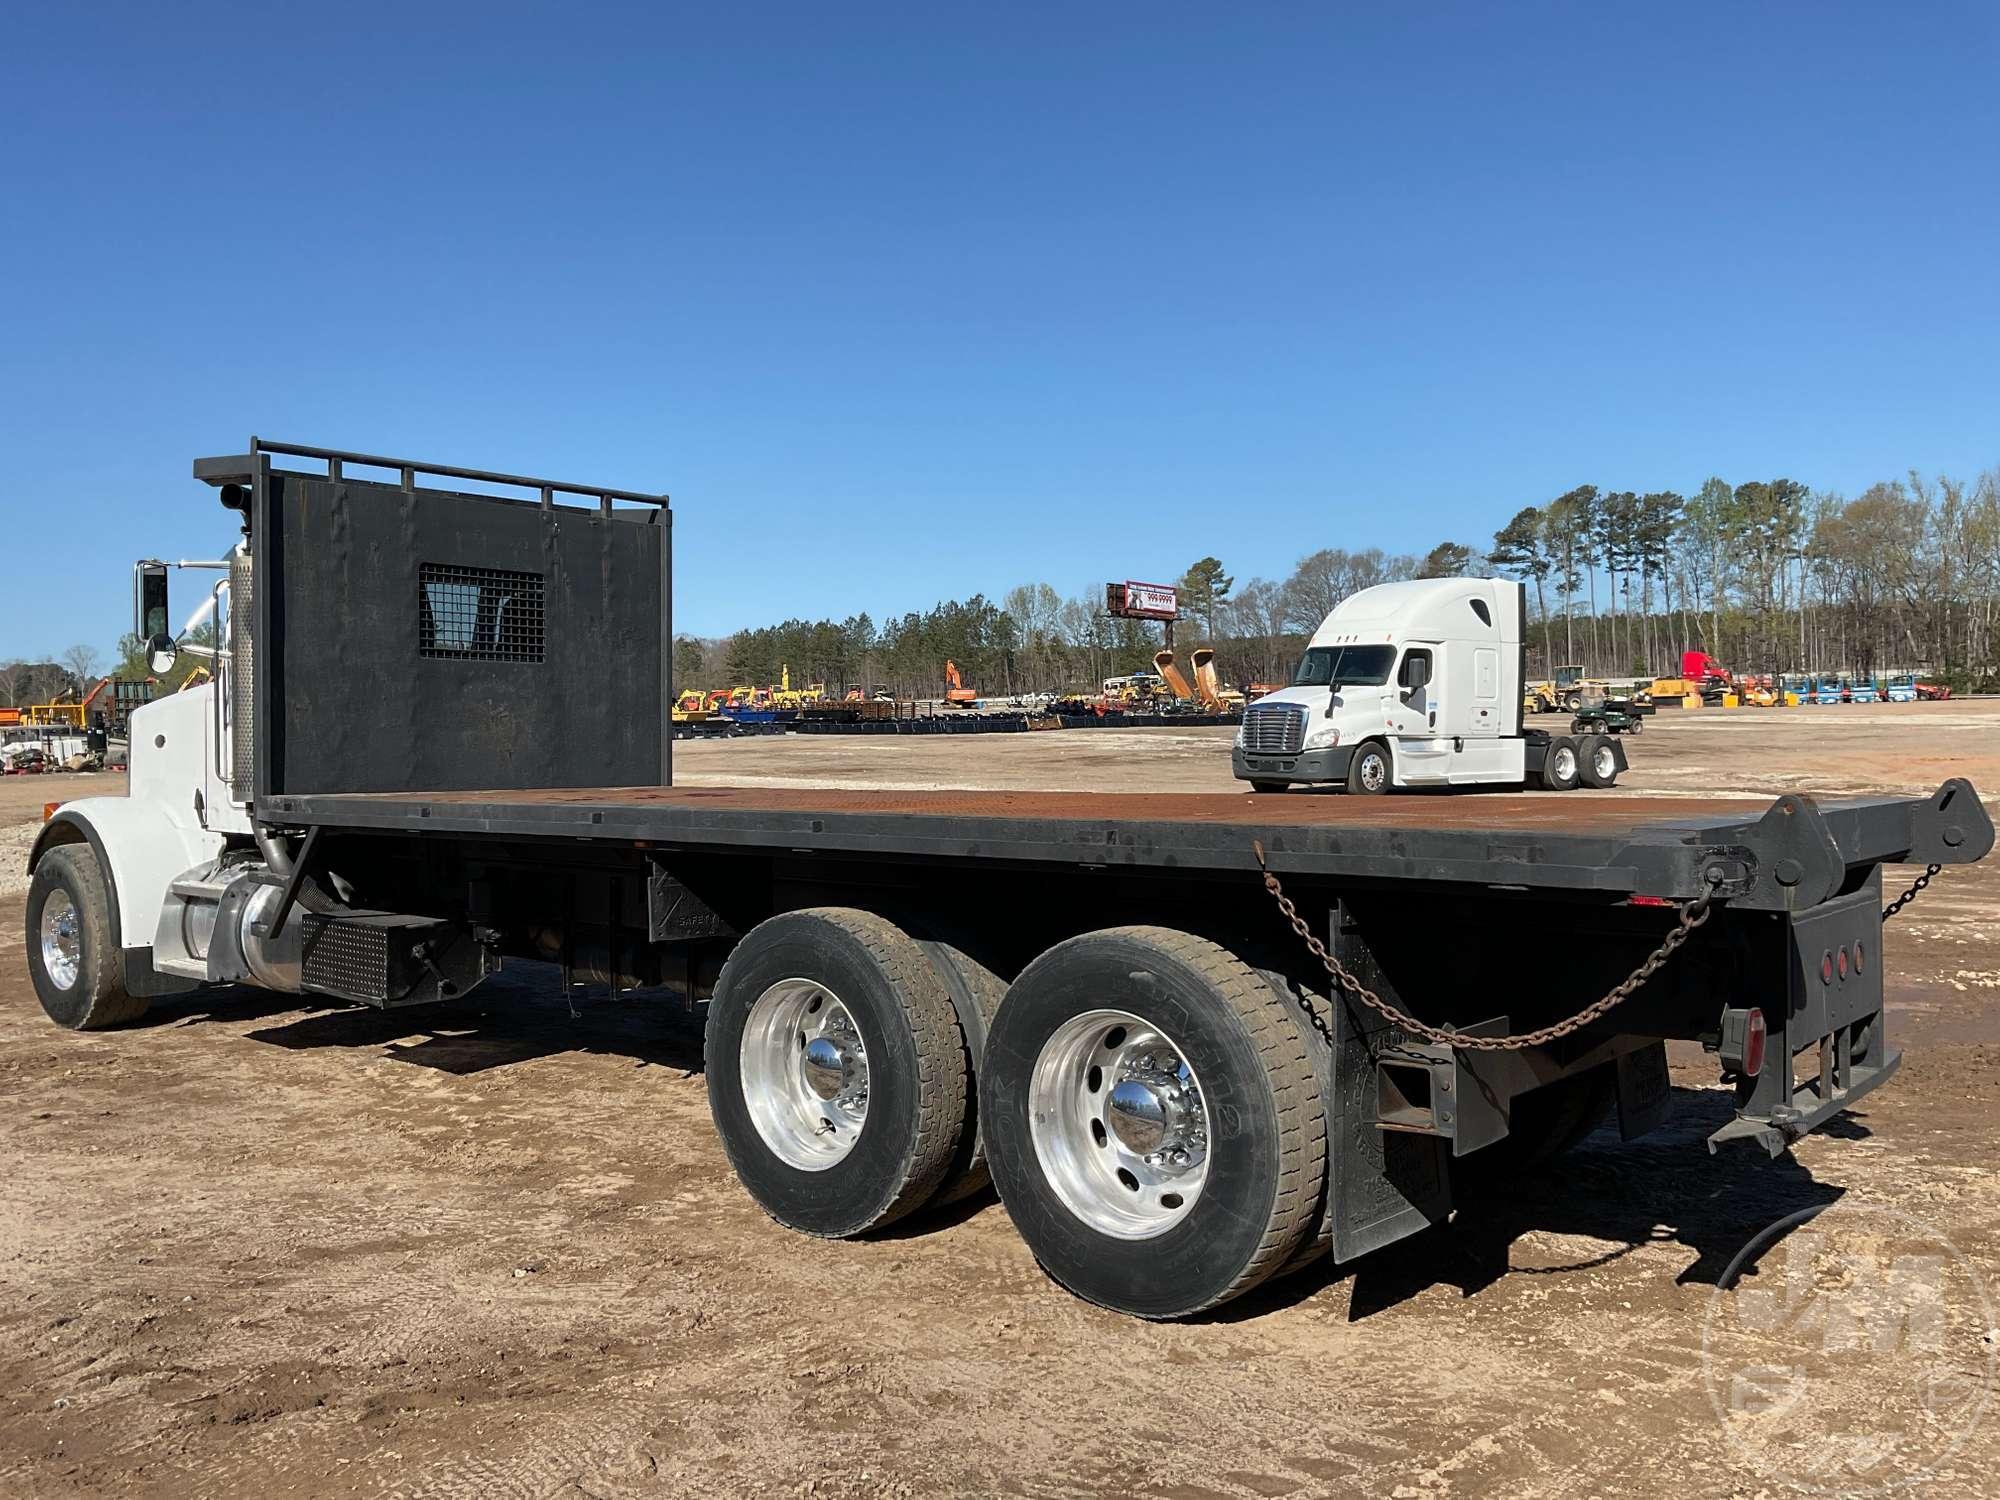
(837, 1072)
(1597, 761)
(1153, 1121)
(1561, 765)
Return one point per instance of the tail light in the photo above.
(1743, 1038)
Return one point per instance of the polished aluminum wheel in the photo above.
(62, 940)
(1566, 763)
(1604, 763)
(805, 1074)
(1119, 1124)
(1374, 770)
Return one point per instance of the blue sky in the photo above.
(905, 303)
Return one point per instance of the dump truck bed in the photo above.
(1779, 853)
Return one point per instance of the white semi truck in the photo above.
(1416, 684)
(438, 740)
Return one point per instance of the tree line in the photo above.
(1770, 576)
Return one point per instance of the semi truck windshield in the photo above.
(1345, 666)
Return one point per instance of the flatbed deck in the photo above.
(1581, 841)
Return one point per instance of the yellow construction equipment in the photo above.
(788, 697)
(1564, 694)
(1208, 686)
(1208, 690)
(1170, 674)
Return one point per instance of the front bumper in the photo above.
(1325, 765)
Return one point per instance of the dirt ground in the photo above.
(255, 1246)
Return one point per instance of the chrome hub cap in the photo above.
(1119, 1124)
(1603, 762)
(62, 943)
(805, 1074)
(1374, 770)
(1565, 762)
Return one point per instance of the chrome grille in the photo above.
(1274, 728)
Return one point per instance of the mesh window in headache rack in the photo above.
(478, 614)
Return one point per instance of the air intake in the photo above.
(242, 676)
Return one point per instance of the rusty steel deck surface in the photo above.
(1499, 811)
(1582, 841)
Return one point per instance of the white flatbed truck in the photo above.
(438, 740)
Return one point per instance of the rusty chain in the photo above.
(1911, 894)
(1692, 916)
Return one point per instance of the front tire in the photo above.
(1369, 773)
(1153, 1121)
(836, 1071)
(75, 962)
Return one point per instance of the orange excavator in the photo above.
(956, 693)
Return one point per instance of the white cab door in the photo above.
(1422, 756)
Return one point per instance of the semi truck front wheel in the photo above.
(1368, 775)
(836, 1070)
(74, 960)
(1153, 1121)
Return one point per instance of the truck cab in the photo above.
(1404, 685)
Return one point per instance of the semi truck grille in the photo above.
(1274, 728)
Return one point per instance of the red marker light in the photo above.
(1740, 1040)
(1826, 968)
(1843, 963)
(1857, 956)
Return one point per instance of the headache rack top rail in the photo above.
(234, 470)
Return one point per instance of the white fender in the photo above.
(149, 838)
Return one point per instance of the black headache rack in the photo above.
(406, 632)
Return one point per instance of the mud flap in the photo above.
(1644, 1091)
(1383, 1185)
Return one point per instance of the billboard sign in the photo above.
(1141, 601)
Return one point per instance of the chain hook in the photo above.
(1692, 916)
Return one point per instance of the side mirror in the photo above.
(161, 654)
(1416, 672)
(149, 599)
